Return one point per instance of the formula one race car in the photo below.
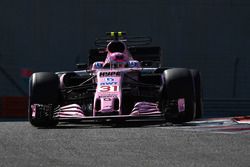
(122, 81)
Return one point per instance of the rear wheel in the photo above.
(43, 91)
(177, 95)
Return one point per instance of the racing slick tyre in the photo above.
(178, 85)
(43, 90)
(198, 93)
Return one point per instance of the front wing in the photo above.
(73, 112)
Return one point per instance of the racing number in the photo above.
(108, 88)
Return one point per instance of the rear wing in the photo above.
(147, 56)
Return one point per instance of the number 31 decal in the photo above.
(114, 88)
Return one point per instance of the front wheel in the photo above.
(177, 99)
(43, 98)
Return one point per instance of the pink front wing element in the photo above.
(33, 110)
(70, 111)
(181, 105)
(145, 108)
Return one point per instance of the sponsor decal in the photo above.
(108, 83)
(109, 79)
(108, 96)
(98, 65)
(132, 63)
(109, 74)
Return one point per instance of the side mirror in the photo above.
(82, 66)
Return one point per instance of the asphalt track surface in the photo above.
(206, 142)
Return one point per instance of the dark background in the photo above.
(53, 35)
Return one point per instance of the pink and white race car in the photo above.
(122, 81)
